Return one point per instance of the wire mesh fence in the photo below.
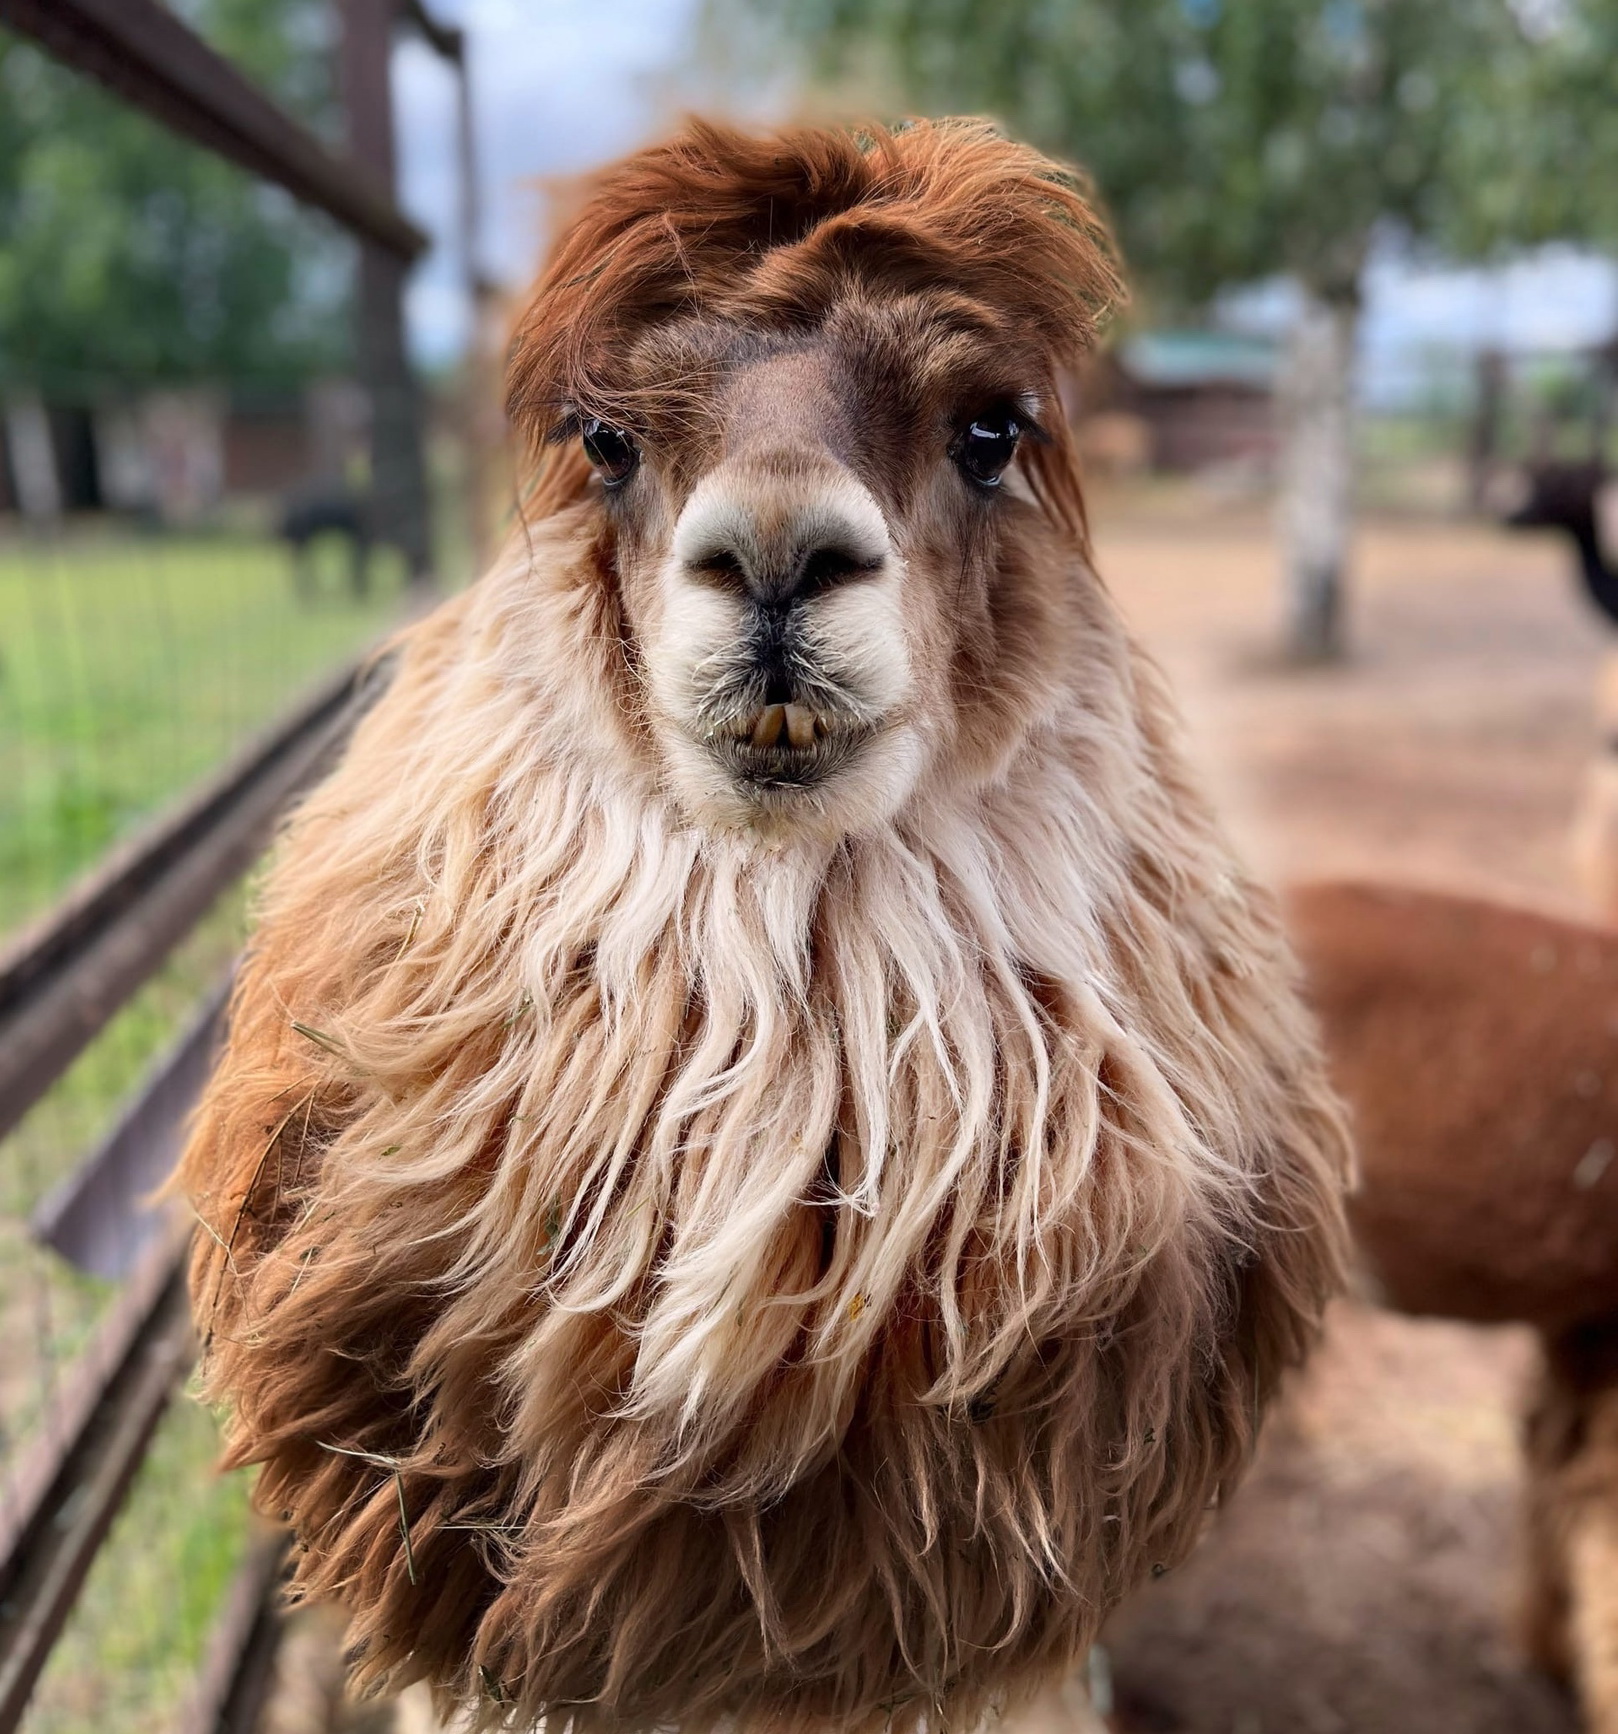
(129, 1657)
(131, 666)
(180, 564)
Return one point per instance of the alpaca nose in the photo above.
(775, 554)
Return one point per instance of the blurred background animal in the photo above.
(1580, 500)
(1478, 1048)
(720, 1203)
(313, 514)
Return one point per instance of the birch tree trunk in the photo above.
(1316, 474)
(33, 457)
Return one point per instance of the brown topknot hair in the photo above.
(773, 229)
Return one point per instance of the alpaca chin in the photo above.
(860, 794)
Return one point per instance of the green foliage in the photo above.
(1229, 139)
(132, 257)
(1541, 156)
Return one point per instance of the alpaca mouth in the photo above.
(786, 746)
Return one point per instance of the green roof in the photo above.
(1169, 358)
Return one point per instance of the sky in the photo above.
(559, 85)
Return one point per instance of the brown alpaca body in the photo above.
(768, 1158)
(1478, 1049)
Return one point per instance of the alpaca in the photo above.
(1478, 1048)
(1575, 499)
(317, 511)
(768, 1158)
(1581, 500)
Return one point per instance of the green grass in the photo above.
(128, 1658)
(130, 668)
(47, 1309)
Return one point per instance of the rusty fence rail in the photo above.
(145, 54)
(58, 986)
(68, 974)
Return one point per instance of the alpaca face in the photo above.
(816, 548)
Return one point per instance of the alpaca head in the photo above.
(810, 398)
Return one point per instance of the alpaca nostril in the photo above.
(775, 578)
(823, 568)
(723, 567)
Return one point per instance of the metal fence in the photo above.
(161, 700)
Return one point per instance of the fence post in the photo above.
(398, 468)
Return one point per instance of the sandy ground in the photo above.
(1446, 750)
(1361, 1582)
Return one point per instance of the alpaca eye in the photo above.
(612, 452)
(986, 446)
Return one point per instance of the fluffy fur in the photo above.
(675, 1266)
(1474, 1043)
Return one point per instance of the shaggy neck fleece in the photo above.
(670, 1276)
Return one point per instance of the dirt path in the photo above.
(1361, 1581)
(1447, 750)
